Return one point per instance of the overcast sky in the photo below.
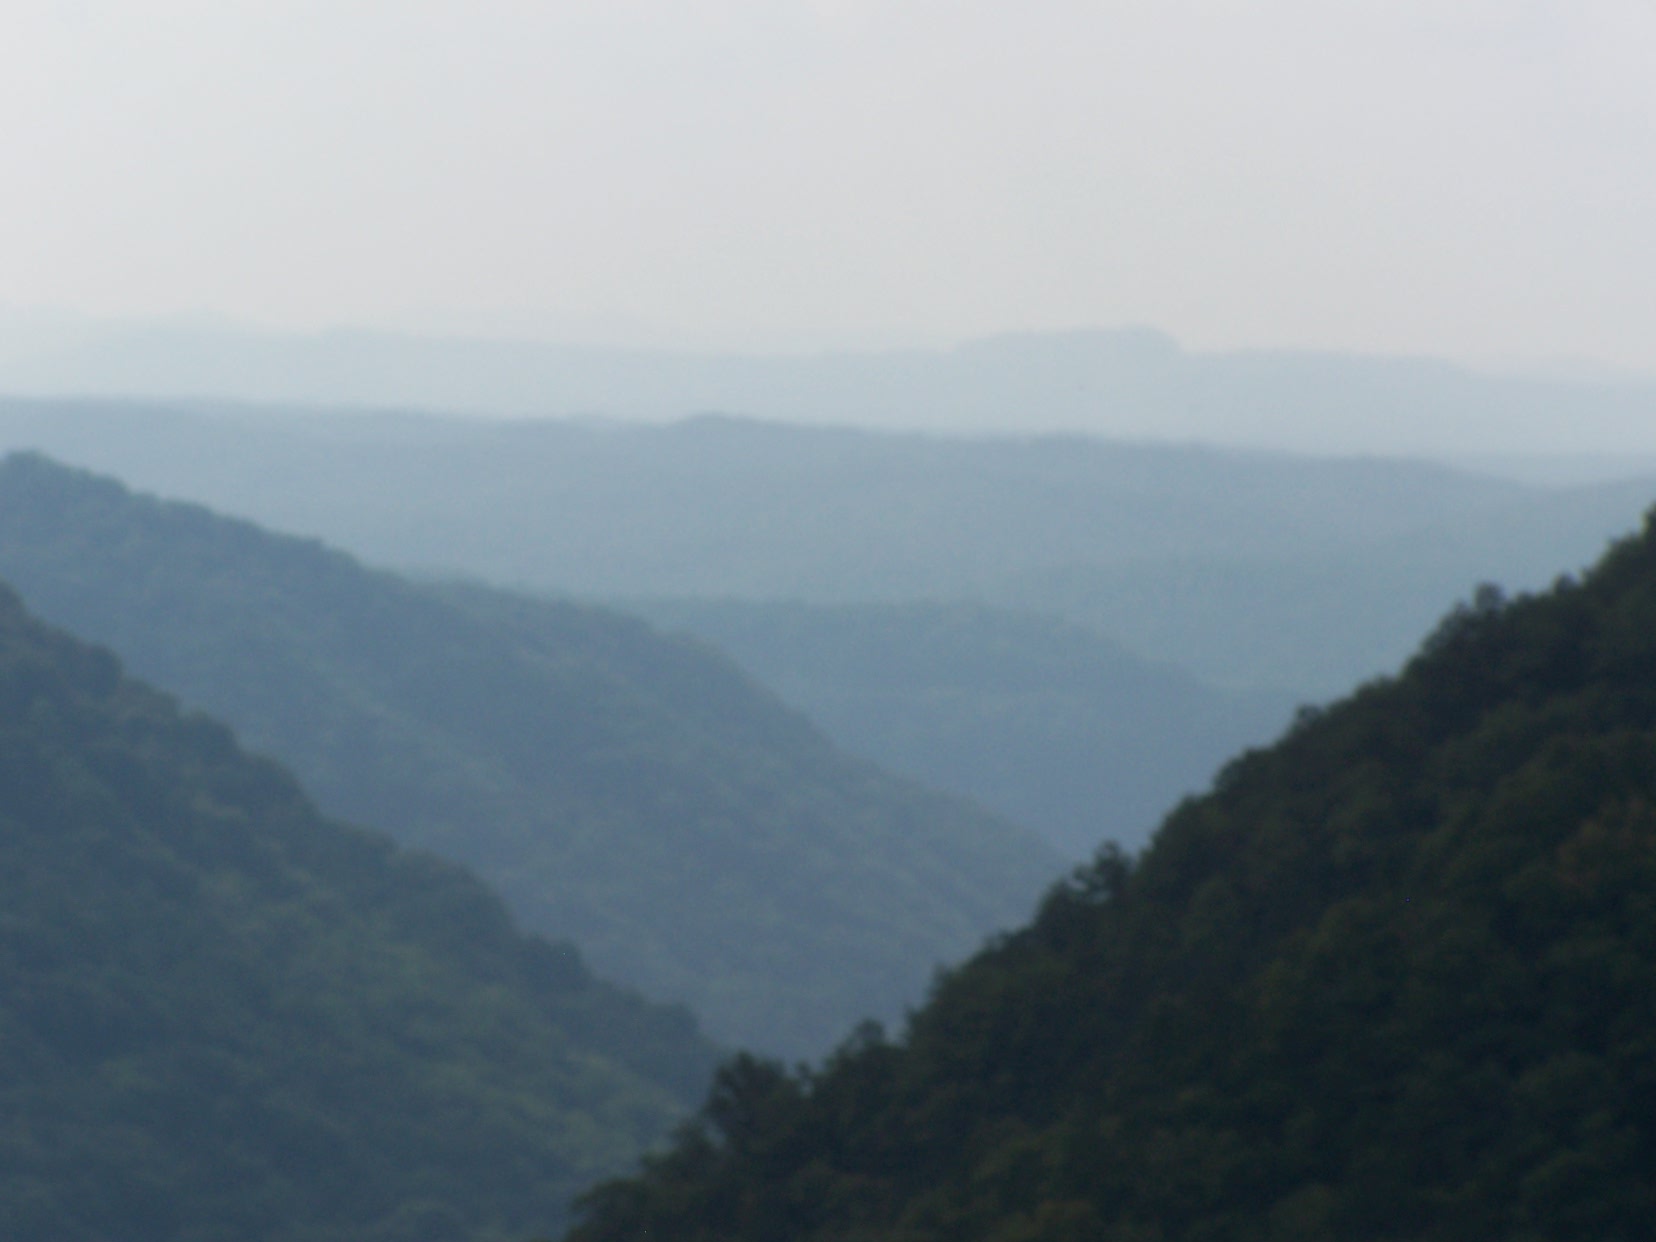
(1470, 178)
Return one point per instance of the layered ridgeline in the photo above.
(1395, 977)
(1129, 382)
(1247, 569)
(1039, 719)
(633, 793)
(222, 1016)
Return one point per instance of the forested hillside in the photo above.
(222, 1016)
(1395, 977)
(1035, 717)
(633, 793)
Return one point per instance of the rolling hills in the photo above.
(1036, 718)
(632, 793)
(224, 1016)
(1251, 570)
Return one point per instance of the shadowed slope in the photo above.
(1394, 978)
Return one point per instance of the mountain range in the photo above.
(1390, 976)
(1250, 570)
(1123, 383)
(630, 792)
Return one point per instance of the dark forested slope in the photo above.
(633, 793)
(222, 1016)
(1395, 977)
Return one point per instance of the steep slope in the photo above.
(1038, 719)
(223, 1016)
(1394, 978)
(634, 794)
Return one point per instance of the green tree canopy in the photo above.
(1395, 977)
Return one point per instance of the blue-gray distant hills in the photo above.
(1035, 717)
(1251, 570)
(633, 793)
(1147, 608)
(1130, 382)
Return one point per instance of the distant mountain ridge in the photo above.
(1251, 570)
(1128, 382)
(632, 793)
(223, 1016)
(1039, 719)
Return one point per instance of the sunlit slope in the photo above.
(633, 793)
(222, 1016)
(1394, 978)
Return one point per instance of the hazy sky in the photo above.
(1475, 178)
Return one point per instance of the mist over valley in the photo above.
(768, 722)
(825, 621)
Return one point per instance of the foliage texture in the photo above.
(1395, 977)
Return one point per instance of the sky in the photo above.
(1473, 179)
